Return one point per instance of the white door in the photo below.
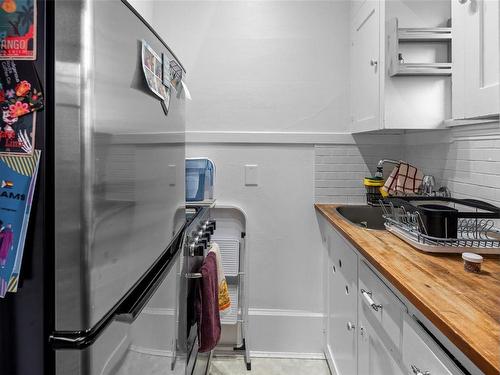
(366, 68)
(476, 59)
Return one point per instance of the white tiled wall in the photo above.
(340, 169)
(467, 161)
(468, 164)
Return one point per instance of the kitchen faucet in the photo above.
(380, 166)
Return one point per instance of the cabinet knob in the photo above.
(417, 371)
(373, 62)
(350, 326)
(462, 1)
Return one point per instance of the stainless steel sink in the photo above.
(364, 216)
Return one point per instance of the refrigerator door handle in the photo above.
(139, 298)
(130, 306)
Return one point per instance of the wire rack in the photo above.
(473, 234)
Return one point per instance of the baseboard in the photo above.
(287, 332)
(286, 355)
(281, 312)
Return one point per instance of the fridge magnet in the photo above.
(14, 277)
(165, 76)
(20, 89)
(175, 74)
(165, 92)
(187, 94)
(153, 70)
(18, 29)
(17, 134)
(17, 184)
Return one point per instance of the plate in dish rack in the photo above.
(486, 246)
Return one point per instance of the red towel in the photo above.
(207, 305)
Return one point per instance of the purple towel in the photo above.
(207, 305)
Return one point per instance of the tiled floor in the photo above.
(269, 366)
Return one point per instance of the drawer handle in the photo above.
(368, 298)
(416, 371)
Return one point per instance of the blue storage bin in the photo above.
(200, 174)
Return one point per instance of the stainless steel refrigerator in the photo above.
(102, 292)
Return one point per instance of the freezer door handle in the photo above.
(130, 306)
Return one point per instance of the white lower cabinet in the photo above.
(381, 316)
(421, 354)
(342, 305)
(380, 307)
(373, 356)
(368, 330)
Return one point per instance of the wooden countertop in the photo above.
(465, 307)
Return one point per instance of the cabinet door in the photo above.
(475, 58)
(373, 356)
(342, 309)
(366, 68)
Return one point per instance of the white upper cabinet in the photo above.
(476, 62)
(366, 65)
(400, 64)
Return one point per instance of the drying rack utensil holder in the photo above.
(230, 234)
(476, 230)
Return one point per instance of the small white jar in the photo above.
(472, 262)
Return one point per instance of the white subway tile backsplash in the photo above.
(469, 167)
(335, 175)
(340, 159)
(466, 161)
(340, 170)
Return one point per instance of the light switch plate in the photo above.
(172, 174)
(251, 175)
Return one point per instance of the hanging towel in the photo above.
(207, 305)
(224, 298)
(404, 179)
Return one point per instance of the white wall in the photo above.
(262, 65)
(284, 245)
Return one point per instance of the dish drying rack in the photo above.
(478, 235)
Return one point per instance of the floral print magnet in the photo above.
(20, 89)
(20, 98)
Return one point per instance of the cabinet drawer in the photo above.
(422, 353)
(381, 308)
